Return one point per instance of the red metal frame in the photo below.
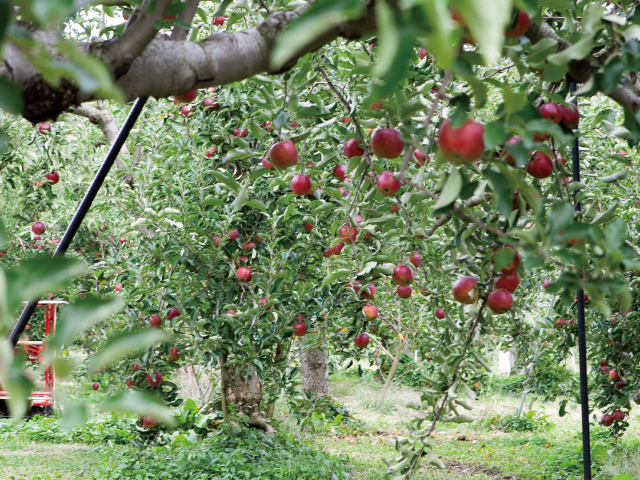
(33, 349)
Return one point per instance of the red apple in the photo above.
(308, 226)
(551, 111)
(370, 311)
(53, 177)
(232, 234)
(340, 171)
(636, 398)
(461, 145)
(211, 104)
(540, 166)
(618, 415)
(155, 379)
(507, 155)
(421, 158)
(155, 321)
(546, 284)
(173, 313)
(187, 97)
(299, 329)
(387, 184)
(38, 228)
(44, 128)
(218, 21)
(422, 53)
(95, 386)
(377, 105)
(348, 233)
(462, 288)
(130, 383)
(231, 311)
(604, 371)
(301, 185)
(404, 291)
(508, 281)
(283, 154)
(338, 248)
(604, 363)
(395, 208)
(606, 420)
(613, 375)
(352, 148)
(621, 383)
(243, 274)
(362, 341)
(440, 313)
(212, 151)
(402, 275)
(368, 291)
(415, 259)
(500, 301)
(515, 263)
(135, 367)
(561, 322)
(519, 26)
(123, 240)
(174, 355)
(540, 137)
(118, 287)
(386, 143)
(570, 115)
(186, 110)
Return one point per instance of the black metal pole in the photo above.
(84, 207)
(582, 337)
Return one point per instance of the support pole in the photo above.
(84, 207)
(582, 339)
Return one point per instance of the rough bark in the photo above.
(314, 368)
(278, 356)
(243, 391)
(392, 371)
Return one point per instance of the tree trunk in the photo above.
(392, 371)
(278, 356)
(314, 368)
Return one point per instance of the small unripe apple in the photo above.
(362, 341)
(211, 104)
(118, 287)
(519, 26)
(462, 289)
(500, 301)
(404, 291)
(186, 110)
(348, 233)
(386, 143)
(243, 274)
(95, 386)
(540, 166)
(53, 177)
(352, 148)
(422, 53)
(461, 145)
(155, 321)
(173, 313)
(606, 420)
(415, 259)
(44, 128)
(299, 329)
(387, 184)
(38, 228)
(618, 415)
(508, 281)
(154, 379)
(402, 275)
(283, 154)
(301, 185)
(551, 111)
(370, 311)
(174, 355)
(368, 291)
(570, 115)
(440, 313)
(190, 96)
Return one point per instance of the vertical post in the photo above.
(84, 207)
(582, 339)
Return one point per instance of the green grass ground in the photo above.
(470, 451)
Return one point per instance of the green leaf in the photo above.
(451, 190)
(599, 454)
(126, 343)
(333, 276)
(487, 20)
(257, 204)
(75, 415)
(5, 16)
(10, 97)
(43, 275)
(504, 190)
(242, 198)
(440, 38)
(81, 315)
(560, 216)
(513, 101)
(624, 476)
(140, 403)
(542, 49)
(389, 38)
(227, 179)
(577, 51)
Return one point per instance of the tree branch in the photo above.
(180, 33)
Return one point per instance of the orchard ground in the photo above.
(538, 446)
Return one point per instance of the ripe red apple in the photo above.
(340, 171)
(283, 154)
(519, 26)
(95, 386)
(404, 291)
(386, 143)
(604, 371)
(515, 263)
(211, 104)
(370, 311)
(308, 226)
(362, 341)
(38, 228)
(570, 115)
(232, 234)
(368, 291)
(44, 128)
(299, 329)
(508, 281)
(551, 111)
(186, 110)
(402, 275)
(212, 151)
(301, 185)
(123, 240)
(190, 96)
(606, 420)
(155, 321)
(613, 375)
(546, 284)
(540, 137)
(620, 383)
(148, 422)
(561, 322)
(218, 21)
(348, 233)
(462, 287)
(500, 301)
(440, 313)
(377, 105)
(618, 415)
(155, 379)
(174, 355)
(130, 383)
(243, 274)
(173, 313)
(118, 287)
(135, 367)
(387, 184)
(422, 53)
(415, 259)
(604, 363)
(53, 177)
(231, 311)
(421, 158)
(461, 145)
(338, 248)
(352, 148)
(395, 208)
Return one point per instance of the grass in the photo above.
(479, 450)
